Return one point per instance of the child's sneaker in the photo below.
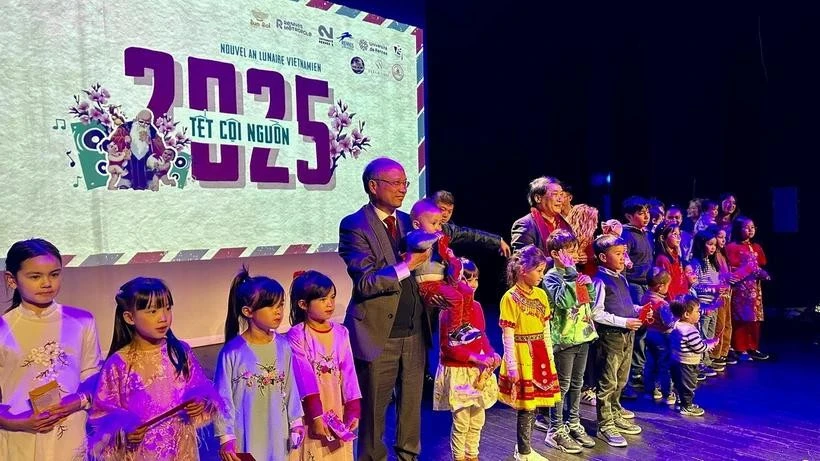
(719, 362)
(532, 456)
(731, 357)
(464, 335)
(612, 437)
(708, 371)
(541, 423)
(627, 427)
(691, 410)
(701, 376)
(560, 440)
(671, 399)
(757, 355)
(626, 414)
(588, 397)
(580, 435)
(745, 357)
(657, 394)
(720, 368)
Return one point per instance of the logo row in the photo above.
(325, 35)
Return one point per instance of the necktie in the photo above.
(392, 229)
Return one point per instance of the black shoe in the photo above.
(757, 355)
(731, 358)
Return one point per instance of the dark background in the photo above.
(670, 101)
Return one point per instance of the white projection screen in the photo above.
(190, 131)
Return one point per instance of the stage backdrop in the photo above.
(141, 133)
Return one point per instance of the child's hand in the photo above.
(29, 422)
(762, 274)
(496, 360)
(633, 324)
(583, 279)
(512, 375)
(135, 437)
(353, 424)
(711, 343)
(319, 427)
(195, 408)
(297, 435)
(566, 259)
(227, 451)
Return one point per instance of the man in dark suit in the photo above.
(546, 197)
(389, 327)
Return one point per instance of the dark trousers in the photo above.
(590, 375)
(656, 368)
(685, 378)
(570, 363)
(523, 433)
(400, 366)
(614, 360)
(638, 354)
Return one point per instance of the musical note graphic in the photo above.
(58, 122)
(77, 181)
(73, 163)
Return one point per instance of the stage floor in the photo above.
(755, 410)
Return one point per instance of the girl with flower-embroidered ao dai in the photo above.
(323, 360)
(254, 375)
(42, 341)
(148, 372)
(256, 382)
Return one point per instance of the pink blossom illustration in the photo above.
(95, 107)
(345, 143)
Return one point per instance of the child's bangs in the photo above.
(268, 293)
(158, 297)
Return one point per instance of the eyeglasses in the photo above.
(144, 122)
(404, 183)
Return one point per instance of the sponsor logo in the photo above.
(357, 65)
(326, 35)
(398, 51)
(381, 69)
(292, 26)
(259, 19)
(346, 40)
(397, 72)
(373, 47)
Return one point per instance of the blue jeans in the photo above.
(708, 323)
(570, 363)
(656, 368)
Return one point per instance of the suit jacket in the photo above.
(366, 250)
(524, 232)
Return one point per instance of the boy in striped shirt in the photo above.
(687, 347)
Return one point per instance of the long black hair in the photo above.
(253, 292)
(737, 228)
(19, 253)
(699, 248)
(661, 233)
(307, 286)
(139, 294)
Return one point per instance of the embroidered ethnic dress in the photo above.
(137, 385)
(528, 315)
(324, 361)
(261, 400)
(59, 344)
